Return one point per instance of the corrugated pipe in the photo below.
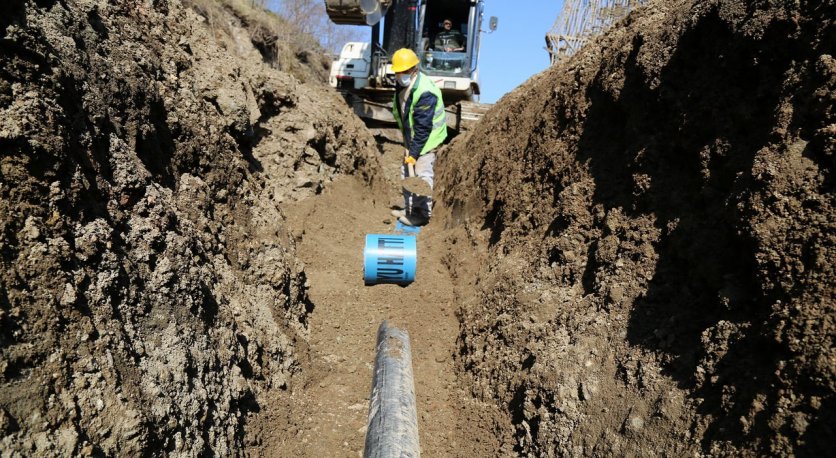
(393, 417)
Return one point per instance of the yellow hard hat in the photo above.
(403, 60)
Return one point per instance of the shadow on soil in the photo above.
(695, 135)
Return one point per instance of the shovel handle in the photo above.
(411, 170)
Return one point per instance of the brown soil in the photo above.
(657, 232)
(418, 186)
(639, 263)
(151, 292)
(331, 405)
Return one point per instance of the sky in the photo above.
(517, 49)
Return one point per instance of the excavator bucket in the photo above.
(356, 12)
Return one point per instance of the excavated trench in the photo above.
(632, 253)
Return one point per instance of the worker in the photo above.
(449, 39)
(419, 112)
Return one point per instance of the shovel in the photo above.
(414, 184)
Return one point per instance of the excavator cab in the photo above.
(363, 71)
(445, 49)
(449, 45)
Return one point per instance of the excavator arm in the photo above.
(356, 12)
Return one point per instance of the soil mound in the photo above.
(658, 230)
(149, 289)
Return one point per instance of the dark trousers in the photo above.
(417, 205)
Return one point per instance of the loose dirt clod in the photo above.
(416, 185)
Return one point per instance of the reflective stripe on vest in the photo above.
(439, 129)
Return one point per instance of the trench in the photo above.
(642, 262)
(327, 415)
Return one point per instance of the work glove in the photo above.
(409, 162)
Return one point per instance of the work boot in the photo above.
(413, 220)
(398, 213)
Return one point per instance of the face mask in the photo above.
(404, 79)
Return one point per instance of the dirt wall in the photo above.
(149, 289)
(657, 232)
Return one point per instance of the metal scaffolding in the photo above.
(581, 20)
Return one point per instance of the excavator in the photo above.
(363, 71)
